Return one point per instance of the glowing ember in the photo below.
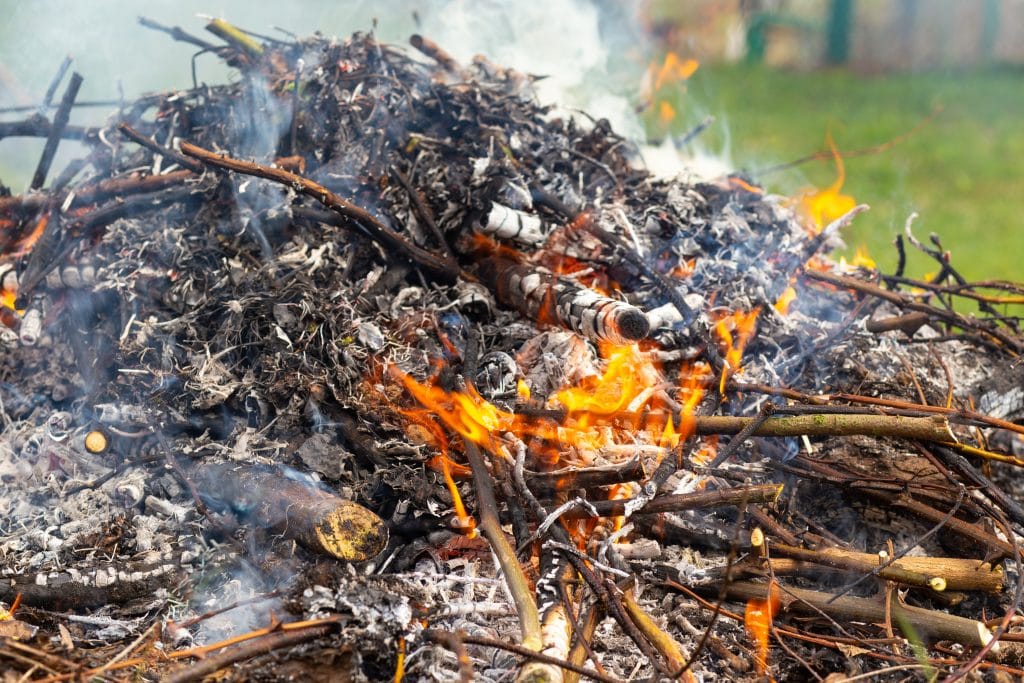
(758, 619)
(735, 330)
(821, 207)
(742, 184)
(684, 269)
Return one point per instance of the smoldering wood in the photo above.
(546, 483)
(547, 298)
(269, 498)
(107, 584)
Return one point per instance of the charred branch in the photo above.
(60, 121)
(740, 495)
(295, 507)
(547, 298)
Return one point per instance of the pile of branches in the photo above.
(301, 341)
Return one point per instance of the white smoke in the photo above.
(592, 53)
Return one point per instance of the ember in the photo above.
(368, 354)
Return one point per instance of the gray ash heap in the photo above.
(368, 350)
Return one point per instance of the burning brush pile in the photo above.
(366, 366)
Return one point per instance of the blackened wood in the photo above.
(548, 298)
(60, 120)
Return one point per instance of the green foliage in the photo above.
(960, 170)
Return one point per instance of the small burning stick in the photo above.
(548, 298)
(286, 501)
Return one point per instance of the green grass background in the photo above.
(962, 171)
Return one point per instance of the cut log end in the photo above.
(351, 533)
(633, 325)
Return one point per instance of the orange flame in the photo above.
(787, 297)
(445, 465)
(628, 399)
(735, 330)
(666, 113)
(757, 619)
(25, 244)
(673, 69)
(7, 299)
(821, 207)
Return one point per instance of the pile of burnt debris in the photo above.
(367, 366)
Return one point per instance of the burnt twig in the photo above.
(140, 139)
(60, 120)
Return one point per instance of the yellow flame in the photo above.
(821, 207)
(757, 619)
(735, 330)
(862, 259)
(522, 390)
(787, 297)
(7, 298)
(628, 398)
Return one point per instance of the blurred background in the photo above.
(906, 105)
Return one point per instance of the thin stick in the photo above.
(60, 121)
(1013, 344)
(740, 495)
(140, 139)
(524, 652)
(254, 648)
(939, 625)
(957, 573)
(734, 444)
(490, 525)
(935, 429)
(177, 33)
(958, 414)
(52, 88)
